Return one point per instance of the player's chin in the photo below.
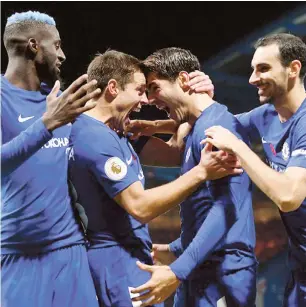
(264, 99)
(52, 77)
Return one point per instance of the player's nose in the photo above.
(254, 78)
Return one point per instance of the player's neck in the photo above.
(102, 112)
(22, 73)
(197, 104)
(290, 103)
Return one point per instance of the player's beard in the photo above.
(278, 94)
(48, 73)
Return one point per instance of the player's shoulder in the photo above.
(211, 116)
(5, 85)
(223, 117)
(263, 111)
(93, 133)
(215, 115)
(299, 121)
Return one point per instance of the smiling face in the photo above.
(129, 100)
(269, 75)
(165, 95)
(167, 80)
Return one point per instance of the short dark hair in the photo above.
(290, 47)
(167, 63)
(113, 65)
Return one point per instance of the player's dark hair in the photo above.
(167, 63)
(290, 47)
(113, 65)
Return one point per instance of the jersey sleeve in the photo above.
(109, 166)
(246, 119)
(298, 154)
(226, 197)
(229, 123)
(219, 220)
(23, 146)
(176, 247)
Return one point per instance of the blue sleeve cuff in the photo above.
(183, 266)
(176, 247)
(42, 129)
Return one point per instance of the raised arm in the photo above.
(60, 111)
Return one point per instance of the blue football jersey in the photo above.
(36, 211)
(225, 203)
(284, 145)
(101, 165)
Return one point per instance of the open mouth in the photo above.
(132, 114)
(262, 88)
(164, 108)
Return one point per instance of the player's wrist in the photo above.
(49, 122)
(238, 147)
(173, 275)
(200, 173)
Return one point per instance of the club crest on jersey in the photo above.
(285, 151)
(188, 154)
(115, 168)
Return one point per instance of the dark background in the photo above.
(140, 28)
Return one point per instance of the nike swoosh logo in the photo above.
(129, 161)
(263, 140)
(24, 119)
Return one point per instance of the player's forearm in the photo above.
(156, 201)
(23, 146)
(215, 227)
(276, 186)
(167, 126)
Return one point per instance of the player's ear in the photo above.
(183, 79)
(294, 69)
(112, 88)
(32, 47)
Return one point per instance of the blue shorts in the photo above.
(237, 289)
(60, 278)
(114, 270)
(295, 292)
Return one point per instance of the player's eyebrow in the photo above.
(150, 85)
(260, 64)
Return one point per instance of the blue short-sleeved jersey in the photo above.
(284, 145)
(101, 165)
